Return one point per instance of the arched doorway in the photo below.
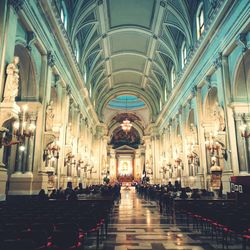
(125, 146)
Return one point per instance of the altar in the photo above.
(125, 168)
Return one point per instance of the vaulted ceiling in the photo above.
(128, 47)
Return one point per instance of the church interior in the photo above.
(124, 124)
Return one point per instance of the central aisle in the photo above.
(137, 224)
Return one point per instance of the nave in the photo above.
(137, 223)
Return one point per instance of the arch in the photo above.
(190, 122)
(148, 99)
(241, 78)
(80, 14)
(184, 23)
(209, 102)
(117, 124)
(28, 88)
(125, 53)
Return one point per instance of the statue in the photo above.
(11, 84)
(49, 116)
(218, 114)
(69, 136)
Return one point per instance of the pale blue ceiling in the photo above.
(128, 102)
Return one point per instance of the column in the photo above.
(40, 180)
(31, 144)
(202, 170)
(222, 72)
(19, 160)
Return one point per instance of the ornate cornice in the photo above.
(241, 40)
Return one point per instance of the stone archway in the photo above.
(241, 97)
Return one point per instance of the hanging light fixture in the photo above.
(244, 126)
(126, 125)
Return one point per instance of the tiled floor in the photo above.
(137, 224)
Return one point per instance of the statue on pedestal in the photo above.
(49, 116)
(11, 84)
(219, 117)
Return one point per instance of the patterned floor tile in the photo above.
(136, 224)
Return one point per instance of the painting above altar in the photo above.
(125, 167)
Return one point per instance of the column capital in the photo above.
(241, 41)
(51, 59)
(194, 91)
(68, 90)
(218, 61)
(180, 109)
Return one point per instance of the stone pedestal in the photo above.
(200, 181)
(63, 181)
(40, 181)
(20, 184)
(226, 181)
(3, 180)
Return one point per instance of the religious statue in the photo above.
(11, 84)
(69, 136)
(49, 116)
(218, 114)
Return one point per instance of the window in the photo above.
(183, 54)
(63, 14)
(77, 51)
(173, 76)
(200, 20)
(85, 76)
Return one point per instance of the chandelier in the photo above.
(126, 125)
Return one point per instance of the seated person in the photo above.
(183, 194)
(195, 194)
